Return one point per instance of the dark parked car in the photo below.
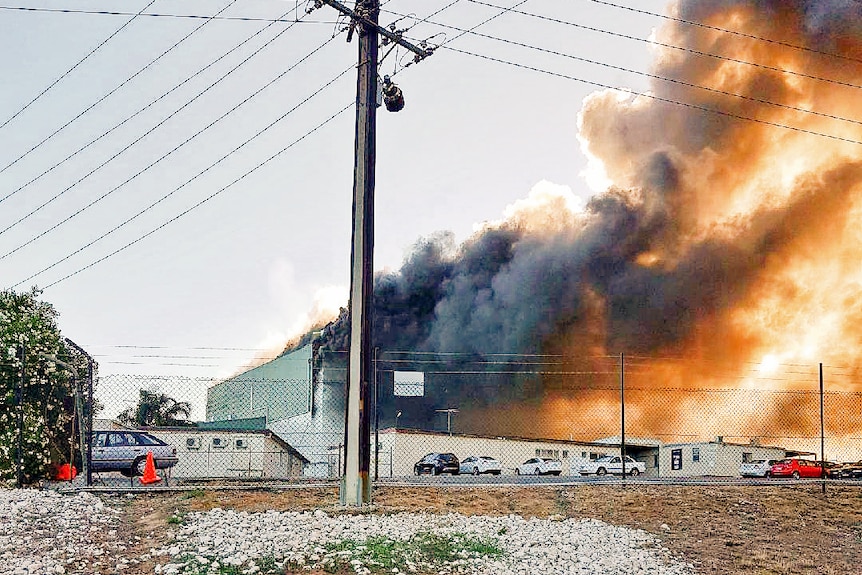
(126, 452)
(437, 463)
(847, 471)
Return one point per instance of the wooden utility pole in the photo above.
(356, 483)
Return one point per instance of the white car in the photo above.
(478, 464)
(540, 466)
(612, 464)
(757, 468)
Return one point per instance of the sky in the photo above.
(237, 276)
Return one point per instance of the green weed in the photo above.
(194, 494)
(178, 518)
(423, 553)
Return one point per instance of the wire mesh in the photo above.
(504, 419)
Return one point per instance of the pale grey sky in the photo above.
(242, 271)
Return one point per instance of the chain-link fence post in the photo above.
(822, 435)
(623, 413)
(19, 396)
(88, 462)
(376, 418)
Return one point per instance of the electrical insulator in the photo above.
(393, 97)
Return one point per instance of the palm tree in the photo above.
(157, 410)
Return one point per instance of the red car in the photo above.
(796, 468)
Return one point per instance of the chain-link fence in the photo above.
(283, 422)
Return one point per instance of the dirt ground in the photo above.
(758, 530)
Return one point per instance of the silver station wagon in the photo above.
(126, 451)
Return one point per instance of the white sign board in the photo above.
(410, 383)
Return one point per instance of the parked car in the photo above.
(477, 464)
(795, 468)
(851, 470)
(437, 463)
(540, 466)
(126, 452)
(833, 469)
(612, 464)
(757, 468)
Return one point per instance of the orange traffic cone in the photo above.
(150, 471)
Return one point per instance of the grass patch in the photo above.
(268, 565)
(423, 553)
(194, 494)
(265, 566)
(177, 517)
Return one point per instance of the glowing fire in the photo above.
(754, 211)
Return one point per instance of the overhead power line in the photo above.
(503, 10)
(180, 347)
(163, 156)
(654, 97)
(211, 196)
(141, 110)
(641, 73)
(725, 31)
(673, 47)
(110, 93)
(163, 15)
(70, 70)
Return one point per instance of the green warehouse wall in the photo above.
(276, 390)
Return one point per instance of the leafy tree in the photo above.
(47, 405)
(156, 409)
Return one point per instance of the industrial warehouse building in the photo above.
(275, 390)
(301, 398)
(399, 449)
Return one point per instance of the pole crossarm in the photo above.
(421, 53)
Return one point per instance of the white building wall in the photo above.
(715, 459)
(400, 450)
(209, 454)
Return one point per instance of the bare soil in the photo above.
(759, 530)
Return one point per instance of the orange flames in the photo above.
(758, 207)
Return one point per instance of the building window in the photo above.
(655, 460)
(695, 454)
(746, 457)
(565, 454)
(584, 454)
(676, 459)
(555, 453)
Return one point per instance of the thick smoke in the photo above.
(726, 237)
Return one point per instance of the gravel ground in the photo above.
(250, 541)
(42, 532)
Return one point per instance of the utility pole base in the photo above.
(356, 494)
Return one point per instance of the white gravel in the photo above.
(42, 533)
(208, 541)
